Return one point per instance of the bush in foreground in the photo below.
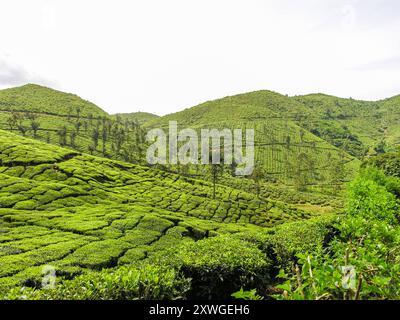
(221, 265)
(125, 283)
(363, 259)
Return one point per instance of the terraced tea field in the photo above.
(77, 212)
(284, 146)
(65, 119)
(68, 200)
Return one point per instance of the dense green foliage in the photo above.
(388, 162)
(362, 261)
(125, 283)
(221, 265)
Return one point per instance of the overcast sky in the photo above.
(163, 56)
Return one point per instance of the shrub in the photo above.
(98, 254)
(293, 238)
(388, 162)
(125, 283)
(368, 197)
(363, 259)
(221, 265)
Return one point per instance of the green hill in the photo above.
(42, 100)
(67, 120)
(285, 147)
(353, 125)
(141, 117)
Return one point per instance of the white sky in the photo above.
(163, 56)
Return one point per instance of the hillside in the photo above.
(78, 212)
(329, 134)
(353, 125)
(141, 117)
(67, 120)
(105, 223)
(285, 147)
(42, 100)
(281, 140)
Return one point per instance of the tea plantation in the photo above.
(78, 212)
(77, 197)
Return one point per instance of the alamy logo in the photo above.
(184, 147)
(49, 277)
(349, 277)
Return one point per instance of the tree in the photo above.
(20, 123)
(72, 136)
(328, 114)
(127, 152)
(185, 169)
(104, 139)
(233, 166)
(380, 147)
(217, 169)
(12, 121)
(95, 137)
(287, 142)
(257, 176)
(62, 136)
(78, 125)
(119, 137)
(302, 133)
(91, 149)
(69, 114)
(35, 126)
(90, 116)
(78, 112)
(34, 123)
(337, 173)
(299, 171)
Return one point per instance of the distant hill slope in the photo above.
(67, 120)
(251, 106)
(35, 98)
(353, 125)
(141, 117)
(77, 212)
(285, 147)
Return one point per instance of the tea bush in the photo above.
(221, 265)
(125, 283)
(293, 238)
(363, 259)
